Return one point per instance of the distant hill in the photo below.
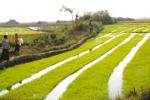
(41, 22)
(12, 21)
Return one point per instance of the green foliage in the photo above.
(31, 57)
(77, 26)
(53, 36)
(96, 80)
(124, 19)
(58, 74)
(80, 26)
(136, 74)
(93, 82)
(99, 16)
(51, 39)
(141, 94)
(83, 26)
(24, 70)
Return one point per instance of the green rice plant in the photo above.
(93, 83)
(37, 56)
(48, 81)
(136, 74)
(18, 72)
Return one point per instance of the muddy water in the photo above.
(115, 81)
(63, 85)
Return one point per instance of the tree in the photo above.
(66, 9)
(100, 16)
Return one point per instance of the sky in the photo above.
(49, 10)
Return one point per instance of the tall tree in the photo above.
(66, 9)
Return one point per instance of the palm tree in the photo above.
(66, 9)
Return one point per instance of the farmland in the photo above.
(38, 41)
(27, 34)
(109, 48)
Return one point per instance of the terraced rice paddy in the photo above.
(84, 73)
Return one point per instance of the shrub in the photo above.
(143, 94)
(80, 26)
(53, 36)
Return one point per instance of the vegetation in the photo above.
(127, 27)
(57, 40)
(134, 87)
(136, 75)
(58, 74)
(66, 9)
(31, 57)
(100, 16)
(95, 81)
(41, 64)
(124, 19)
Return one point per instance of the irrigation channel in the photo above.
(138, 29)
(103, 36)
(62, 86)
(115, 81)
(48, 69)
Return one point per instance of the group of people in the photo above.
(6, 46)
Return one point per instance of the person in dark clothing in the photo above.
(5, 46)
(90, 26)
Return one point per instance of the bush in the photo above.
(52, 39)
(53, 36)
(99, 16)
(143, 94)
(80, 26)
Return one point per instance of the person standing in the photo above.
(18, 43)
(90, 26)
(17, 46)
(5, 46)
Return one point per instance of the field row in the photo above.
(110, 45)
(16, 73)
(120, 27)
(128, 28)
(136, 75)
(95, 79)
(92, 84)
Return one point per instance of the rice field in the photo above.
(85, 73)
(21, 31)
